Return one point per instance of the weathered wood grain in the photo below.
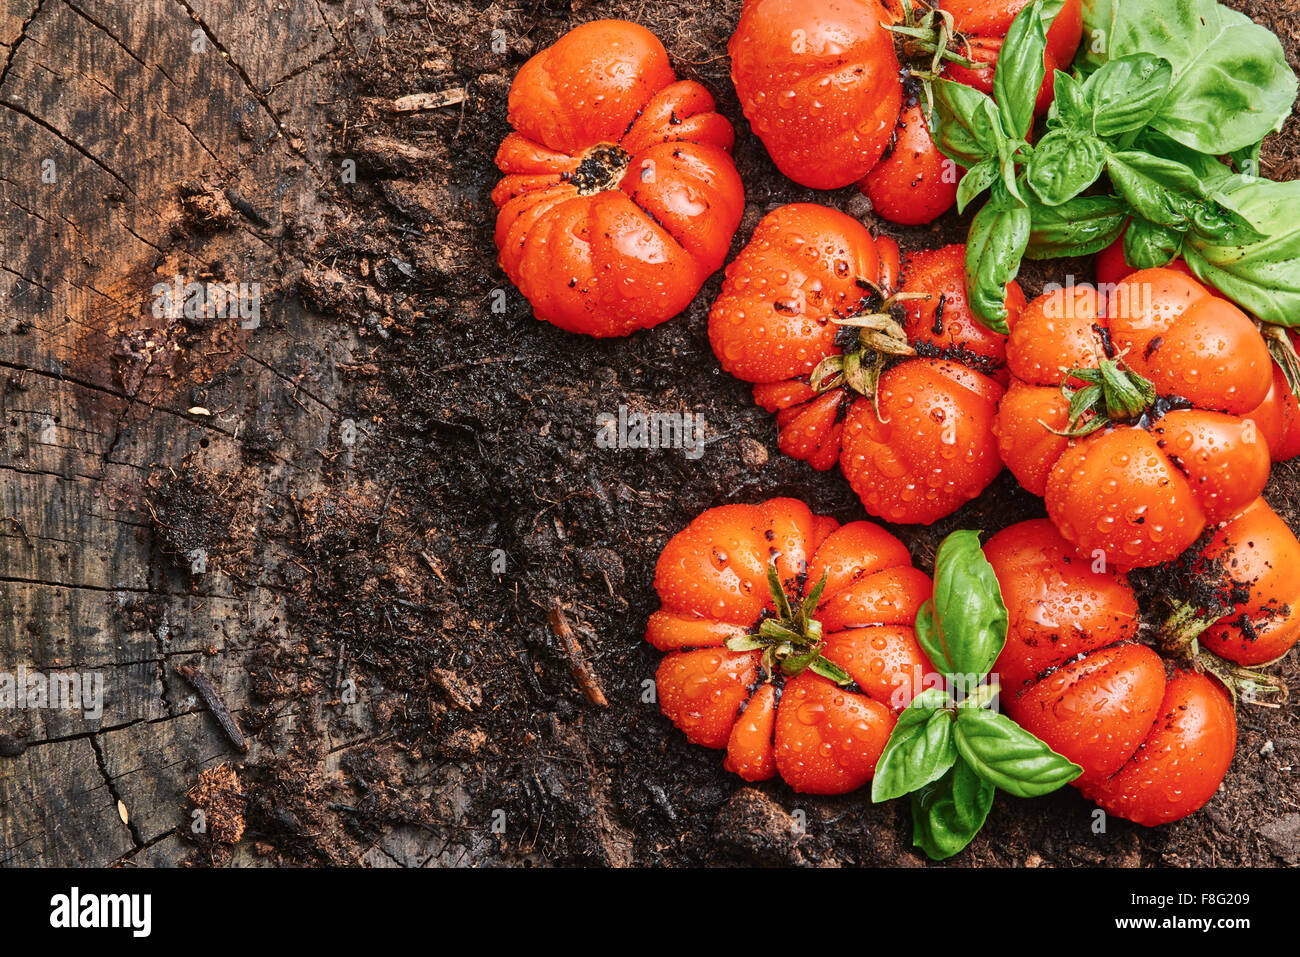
(114, 117)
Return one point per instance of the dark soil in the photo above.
(475, 502)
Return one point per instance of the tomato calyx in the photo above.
(923, 42)
(1179, 639)
(928, 32)
(1245, 685)
(1113, 393)
(881, 338)
(1284, 354)
(601, 168)
(791, 640)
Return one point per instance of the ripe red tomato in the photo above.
(913, 183)
(930, 448)
(620, 196)
(1278, 416)
(819, 82)
(851, 596)
(1177, 457)
(1153, 749)
(1240, 589)
(924, 446)
(1188, 752)
(831, 93)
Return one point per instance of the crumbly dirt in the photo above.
(475, 503)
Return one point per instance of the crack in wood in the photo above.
(44, 124)
(241, 73)
(106, 31)
(22, 35)
(125, 397)
(138, 59)
(112, 789)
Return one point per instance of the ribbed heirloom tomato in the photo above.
(1154, 748)
(1237, 591)
(1125, 414)
(834, 93)
(899, 387)
(1278, 416)
(790, 641)
(620, 195)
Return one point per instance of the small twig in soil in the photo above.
(490, 360)
(578, 664)
(428, 101)
(200, 683)
(433, 565)
(338, 666)
(379, 527)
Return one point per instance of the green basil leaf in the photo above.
(1098, 25)
(1161, 190)
(1207, 169)
(1020, 66)
(977, 179)
(1080, 227)
(927, 636)
(1219, 222)
(968, 608)
(995, 244)
(1064, 164)
(1147, 245)
(947, 814)
(1008, 150)
(1005, 754)
(1126, 93)
(920, 749)
(969, 130)
(1070, 107)
(1231, 85)
(1215, 215)
(1262, 277)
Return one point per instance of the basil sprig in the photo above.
(1160, 91)
(948, 750)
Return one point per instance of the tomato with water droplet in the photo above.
(728, 686)
(837, 96)
(896, 381)
(1153, 748)
(1142, 468)
(620, 196)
